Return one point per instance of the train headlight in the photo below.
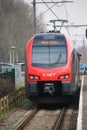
(64, 76)
(34, 77)
(31, 77)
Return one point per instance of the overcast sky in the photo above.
(75, 12)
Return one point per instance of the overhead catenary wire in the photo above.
(50, 9)
(68, 29)
(61, 4)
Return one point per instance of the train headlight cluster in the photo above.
(34, 77)
(64, 76)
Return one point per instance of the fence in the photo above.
(11, 100)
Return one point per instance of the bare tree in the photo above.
(16, 27)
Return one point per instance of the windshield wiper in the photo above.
(58, 59)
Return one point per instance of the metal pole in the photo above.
(13, 55)
(10, 57)
(34, 15)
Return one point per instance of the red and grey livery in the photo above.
(52, 66)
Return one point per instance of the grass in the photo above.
(6, 114)
(12, 110)
(20, 85)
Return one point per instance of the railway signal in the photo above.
(86, 33)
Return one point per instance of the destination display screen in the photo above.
(48, 39)
(49, 42)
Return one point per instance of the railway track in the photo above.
(25, 119)
(41, 119)
(59, 119)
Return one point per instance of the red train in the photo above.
(52, 67)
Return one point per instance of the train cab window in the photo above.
(49, 51)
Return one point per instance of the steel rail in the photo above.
(59, 120)
(19, 125)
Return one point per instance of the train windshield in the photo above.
(49, 51)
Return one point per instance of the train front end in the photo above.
(49, 66)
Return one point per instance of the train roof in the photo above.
(50, 33)
(53, 35)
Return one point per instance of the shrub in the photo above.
(6, 86)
